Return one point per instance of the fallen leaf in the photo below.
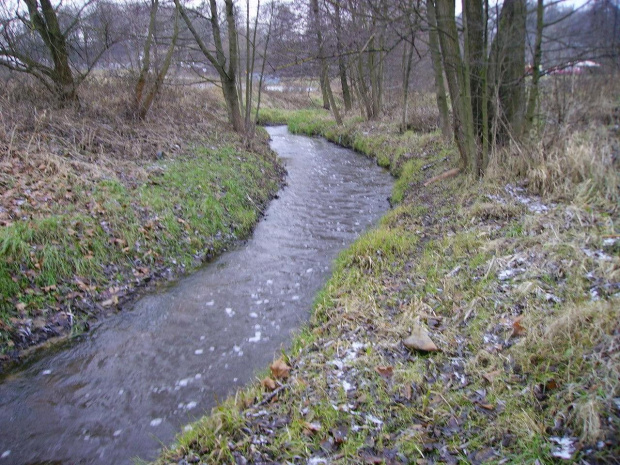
(110, 302)
(279, 369)
(20, 306)
(490, 377)
(312, 427)
(385, 371)
(269, 384)
(407, 391)
(486, 406)
(49, 288)
(551, 384)
(419, 340)
(517, 328)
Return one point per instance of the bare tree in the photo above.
(46, 55)
(440, 88)
(226, 64)
(325, 84)
(144, 97)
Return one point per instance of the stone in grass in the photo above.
(419, 340)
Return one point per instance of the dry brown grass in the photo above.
(575, 152)
(43, 146)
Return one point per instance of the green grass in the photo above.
(435, 260)
(192, 208)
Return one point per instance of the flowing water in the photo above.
(139, 376)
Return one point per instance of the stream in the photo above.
(132, 383)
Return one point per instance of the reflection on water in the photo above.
(138, 377)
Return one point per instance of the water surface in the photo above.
(141, 375)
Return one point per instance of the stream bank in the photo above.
(85, 241)
(138, 376)
(519, 296)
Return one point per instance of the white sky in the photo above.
(574, 3)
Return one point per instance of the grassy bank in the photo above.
(98, 206)
(513, 296)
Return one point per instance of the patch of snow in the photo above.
(156, 421)
(117, 432)
(198, 351)
(317, 461)
(256, 338)
(188, 428)
(5, 454)
(347, 386)
(610, 241)
(509, 273)
(374, 419)
(552, 298)
(229, 312)
(295, 297)
(337, 363)
(598, 254)
(253, 315)
(183, 382)
(497, 199)
(565, 448)
(210, 303)
(46, 372)
(533, 203)
(191, 405)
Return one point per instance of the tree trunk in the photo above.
(45, 22)
(440, 88)
(342, 67)
(474, 27)
(407, 58)
(159, 80)
(262, 69)
(146, 58)
(228, 76)
(328, 97)
(462, 121)
(533, 96)
(507, 68)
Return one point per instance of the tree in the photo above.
(144, 97)
(458, 84)
(440, 88)
(328, 96)
(46, 53)
(226, 64)
(507, 69)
